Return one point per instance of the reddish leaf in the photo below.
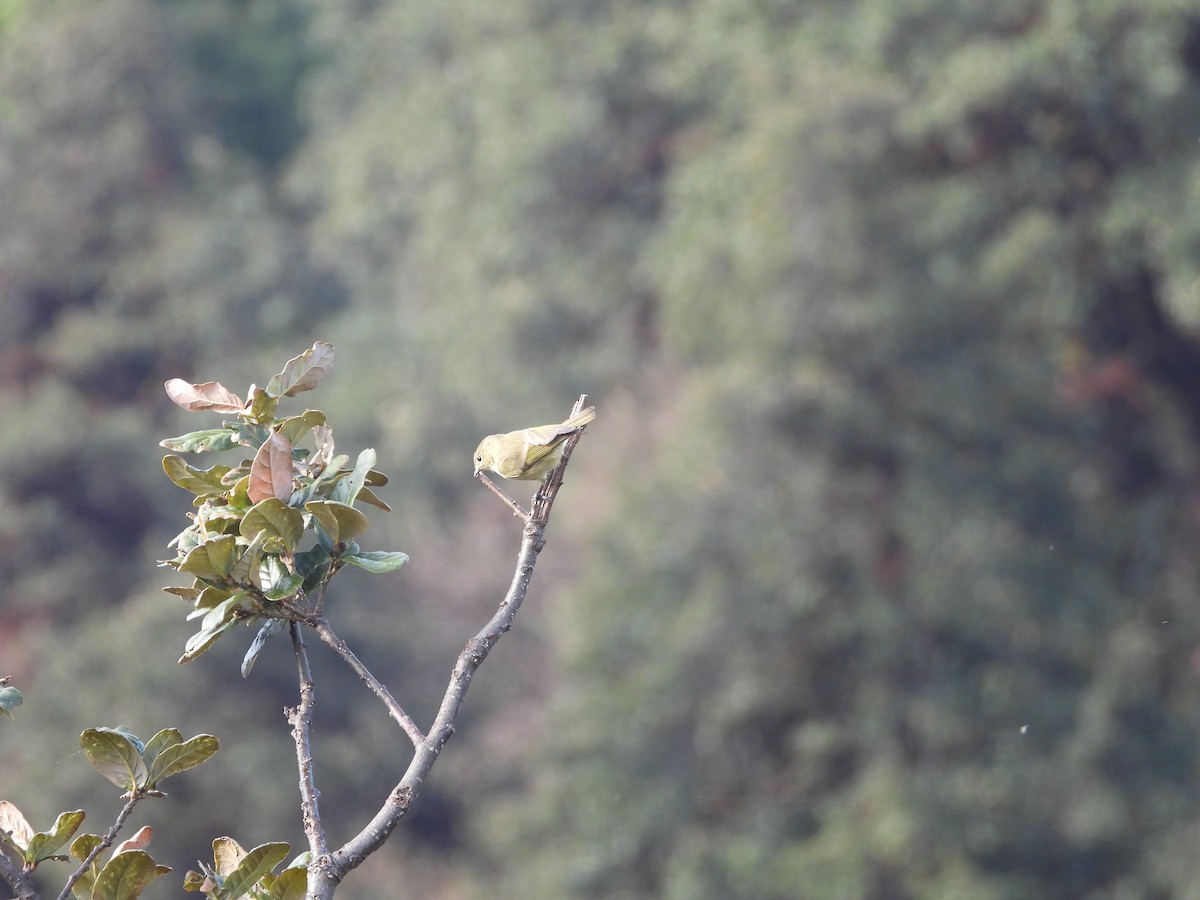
(139, 841)
(210, 395)
(271, 471)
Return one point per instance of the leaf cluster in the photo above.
(245, 546)
(130, 763)
(137, 766)
(34, 847)
(237, 873)
(126, 874)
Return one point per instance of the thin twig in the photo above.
(543, 500)
(403, 719)
(301, 721)
(105, 843)
(318, 604)
(516, 508)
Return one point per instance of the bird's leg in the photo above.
(512, 504)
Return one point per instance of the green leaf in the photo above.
(376, 561)
(253, 866)
(223, 611)
(212, 560)
(239, 494)
(10, 699)
(81, 848)
(262, 406)
(246, 568)
(219, 519)
(366, 495)
(323, 483)
(209, 439)
(201, 482)
(334, 468)
(314, 560)
(340, 521)
(216, 622)
(83, 845)
(269, 629)
(289, 885)
(276, 581)
(209, 598)
(346, 490)
(184, 543)
(196, 882)
(181, 757)
(115, 756)
(277, 520)
(126, 875)
(304, 372)
(238, 472)
(46, 844)
(187, 593)
(296, 427)
(251, 434)
(125, 732)
(165, 738)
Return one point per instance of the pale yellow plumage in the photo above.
(528, 454)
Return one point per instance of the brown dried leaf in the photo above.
(271, 470)
(13, 822)
(304, 372)
(139, 841)
(211, 395)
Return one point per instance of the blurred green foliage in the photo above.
(875, 576)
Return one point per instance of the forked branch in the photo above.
(328, 869)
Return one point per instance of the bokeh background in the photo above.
(877, 575)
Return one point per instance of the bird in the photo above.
(530, 453)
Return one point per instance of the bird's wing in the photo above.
(542, 435)
(543, 440)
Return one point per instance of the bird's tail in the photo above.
(580, 419)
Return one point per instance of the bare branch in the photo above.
(400, 799)
(301, 721)
(17, 879)
(403, 719)
(328, 869)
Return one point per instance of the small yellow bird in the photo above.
(529, 454)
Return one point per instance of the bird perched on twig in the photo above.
(528, 454)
